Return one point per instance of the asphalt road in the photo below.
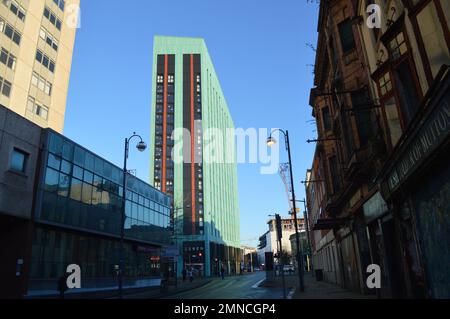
(234, 287)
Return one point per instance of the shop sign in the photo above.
(434, 131)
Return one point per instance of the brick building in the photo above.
(382, 107)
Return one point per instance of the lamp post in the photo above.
(270, 142)
(141, 146)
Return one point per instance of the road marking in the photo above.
(291, 293)
(257, 284)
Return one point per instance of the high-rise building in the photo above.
(36, 45)
(187, 96)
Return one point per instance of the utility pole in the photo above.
(280, 251)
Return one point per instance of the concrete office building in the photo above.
(60, 204)
(36, 45)
(187, 95)
(268, 243)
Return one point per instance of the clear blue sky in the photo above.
(260, 54)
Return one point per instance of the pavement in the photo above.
(323, 290)
(246, 286)
(181, 287)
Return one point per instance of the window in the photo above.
(326, 118)
(39, 82)
(393, 120)
(15, 8)
(363, 115)
(10, 32)
(36, 108)
(397, 46)
(404, 80)
(60, 3)
(160, 78)
(170, 79)
(335, 177)
(45, 61)
(52, 18)
(385, 84)
(8, 59)
(18, 160)
(346, 34)
(49, 39)
(434, 32)
(5, 87)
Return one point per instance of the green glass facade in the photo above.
(78, 217)
(187, 95)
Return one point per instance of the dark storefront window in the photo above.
(52, 251)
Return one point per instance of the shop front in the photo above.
(416, 186)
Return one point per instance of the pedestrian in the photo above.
(191, 275)
(184, 273)
(222, 272)
(62, 285)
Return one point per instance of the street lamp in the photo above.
(271, 142)
(141, 146)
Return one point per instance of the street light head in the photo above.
(141, 146)
(271, 141)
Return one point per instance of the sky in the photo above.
(261, 53)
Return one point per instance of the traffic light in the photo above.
(278, 226)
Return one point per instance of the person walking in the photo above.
(222, 272)
(191, 275)
(184, 274)
(62, 285)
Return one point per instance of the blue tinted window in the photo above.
(128, 208)
(75, 189)
(98, 166)
(56, 144)
(78, 172)
(51, 180)
(79, 156)
(54, 161)
(107, 170)
(87, 193)
(64, 185)
(66, 167)
(98, 180)
(18, 160)
(88, 177)
(89, 161)
(116, 173)
(68, 151)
